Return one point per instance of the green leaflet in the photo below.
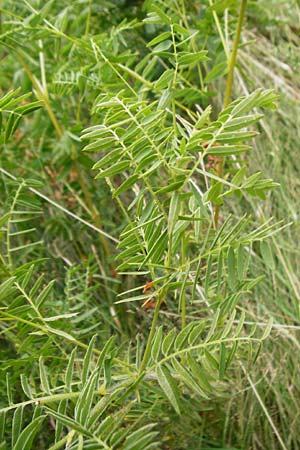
(115, 169)
(169, 387)
(86, 367)
(190, 59)
(25, 439)
(17, 425)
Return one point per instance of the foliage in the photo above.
(124, 298)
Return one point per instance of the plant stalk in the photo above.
(233, 58)
(229, 82)
(151, 334)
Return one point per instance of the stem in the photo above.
(232, 64)
(218, 25)
(41, 95)
(182, 302)
(183, 311)
(43, 400)
(174, 79)
(88, 20)
(233, 57)
(151, 334)
(8, 235)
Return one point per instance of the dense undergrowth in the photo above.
(149, 293)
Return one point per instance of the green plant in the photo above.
(160, 140)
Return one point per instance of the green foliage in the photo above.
(123, 300)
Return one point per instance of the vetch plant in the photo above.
(155, 155)
(175, 165)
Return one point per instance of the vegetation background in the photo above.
(78, 366)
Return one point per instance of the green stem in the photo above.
(218, 25)
(151, 334)
(88, 20)
(233, 58)
(232, 64)
(183, 311)
(8, 235)
(183, 296)
(43, 400)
